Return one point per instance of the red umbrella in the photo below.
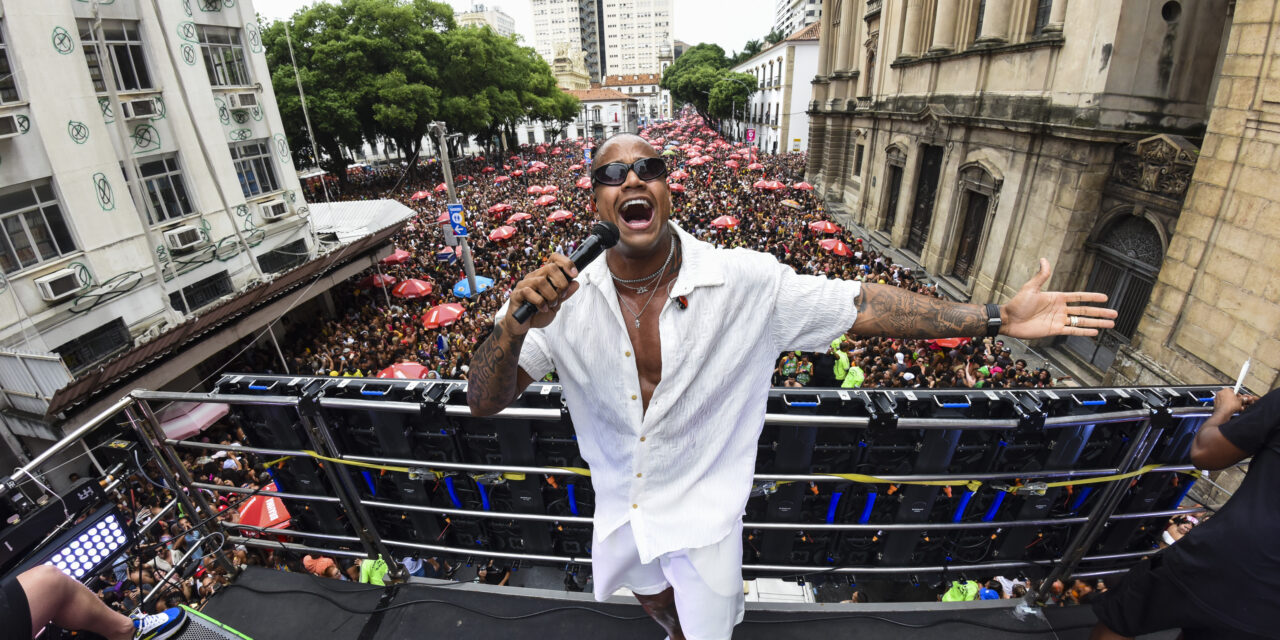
(575, 167)
(517, 217)
(836, 246)
(772, 185)
(755, 166)
(735, 156)
(403, 370)
(502, 233)
(442, 315)
(487, 170)
(725, 222)
(679, 174)
(264, 511)
(949, 343)
(419, 195)
(412, 288)
(441, 188)
(802, 186)
(501, 207)
(399, 256)
(517, 173)
(551, 188)
(677, 187)
(583, 183)
(463, 178)
(556, 150)
(376, 280)
(760, 184)
(824, 226)
(444, 217)
(535, 189)
(732, 164)
(501, 179)
(558, 215)
(541, 149)
(544, 201)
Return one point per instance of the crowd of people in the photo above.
(373, 329)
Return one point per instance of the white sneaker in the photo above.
(159, 626)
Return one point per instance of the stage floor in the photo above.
(272, 605)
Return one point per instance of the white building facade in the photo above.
(575, 22)
(636, 35)
(776, 119)
(480, 15)
(792, 15)
(652, 101)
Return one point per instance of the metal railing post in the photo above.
(1113, 494)
(152, 436)
(318, 432)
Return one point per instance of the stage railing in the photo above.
(887, 484)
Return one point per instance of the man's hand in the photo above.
(1036, 314)
(546, 288)
(1227, 403)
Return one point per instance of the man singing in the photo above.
(666, 359)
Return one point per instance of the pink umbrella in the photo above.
(836, 246)
(444, 217)
(419, 195)
(404, 370)
(558, 215)
(501, 179)
(732, 164)
(441, 188)
(679, 174)
(677, 187)
(517, 173)
(575, 167)
(755, 166)
(802, 186)
(543, 201)
(412, 288)
(501, 207)
(442, 315)
(760, 184)
(517, 217)
(551, 188)
(824, 226)
(725, 222)
(583, 183)
(399, 256)
(376, 280)
(487, 170)
(535, 189)
(735, 156)
(774, 185)
(502, 233)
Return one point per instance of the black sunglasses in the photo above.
(615, 173)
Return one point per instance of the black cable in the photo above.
(535, 614)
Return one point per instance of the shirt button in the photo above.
(639, 475)
(627, 354)
(635, 506)
(633, 397)
(641, 438)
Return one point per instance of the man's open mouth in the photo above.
(636, 213)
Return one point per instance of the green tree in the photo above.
(774, 37)
(701, 77)
(751, 48)
(731, 93)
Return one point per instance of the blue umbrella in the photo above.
(463, 290)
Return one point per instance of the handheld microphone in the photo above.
(603, 235)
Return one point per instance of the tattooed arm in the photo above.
(496, 377)
(892, 312)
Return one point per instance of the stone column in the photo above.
(911, 30)
(995, 22)
(848, 35)
(817, 148)
(824, 40)
(1057, 17)
(944, 27)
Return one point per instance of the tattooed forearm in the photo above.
(495, 367)
(892, 312)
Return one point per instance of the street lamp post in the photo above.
(468, 265)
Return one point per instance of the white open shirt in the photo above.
(695, 448)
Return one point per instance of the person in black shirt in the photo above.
(493, 574)
(1222, 579)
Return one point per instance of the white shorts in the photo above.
(707, 580)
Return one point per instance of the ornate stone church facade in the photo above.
(976, 136)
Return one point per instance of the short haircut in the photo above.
(621, 134)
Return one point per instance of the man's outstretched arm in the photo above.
(496, 377)
(894, 312)
(889, 311)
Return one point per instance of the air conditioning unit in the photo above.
(138, 109)
(58, 285)
(274, 210)
(9, 126)
(182, 239)
(242, 100)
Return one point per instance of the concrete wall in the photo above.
(1217, 301)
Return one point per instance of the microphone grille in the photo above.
(608, 233)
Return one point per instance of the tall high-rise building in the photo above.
(637, 33)
(496, 19)
(793, 15)
(575, 22)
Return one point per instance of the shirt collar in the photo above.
(700, 268)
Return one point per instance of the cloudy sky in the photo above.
(728, 23)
